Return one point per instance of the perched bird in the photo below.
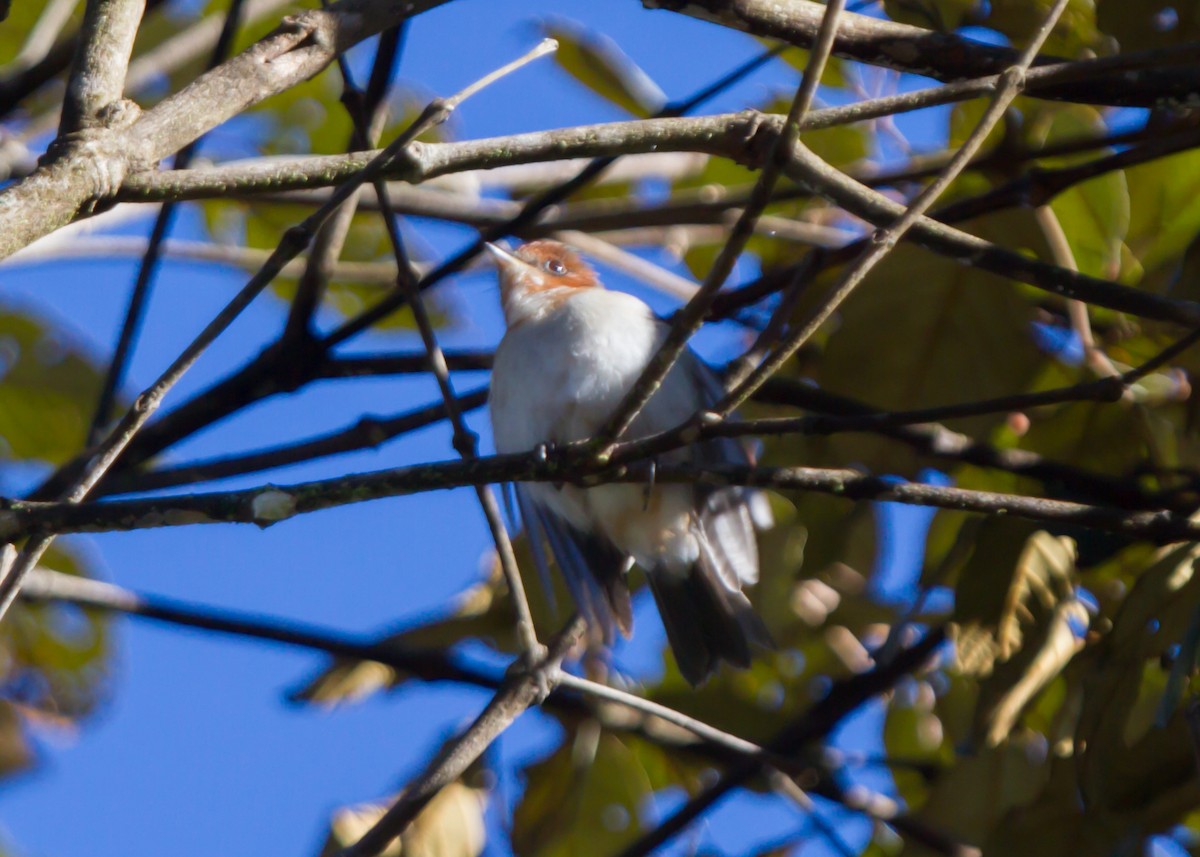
(571, 351)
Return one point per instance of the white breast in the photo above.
(557, 377)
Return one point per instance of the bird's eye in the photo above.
(555, 267)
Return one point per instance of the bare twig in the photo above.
(884, 240)
(647, 706)
(140, 296)
(690, 319)
(368, 113)
(464, 438)
(514, 697)
(293, 243)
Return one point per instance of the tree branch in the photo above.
(91, 168)
(269, 504)
(140, 295)
(845, 697)
(516, 695)
(742, 137)
(943, 56)
(97, 78)
(885, 239)
(689, 320)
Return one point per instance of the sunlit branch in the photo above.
(885, 239)
(524, 689)
(98, 461)
(464, 440)
(97, 78)
(690, 319)
(140, 295)
(270, 504)
(366, 433)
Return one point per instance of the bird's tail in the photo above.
(706, 620)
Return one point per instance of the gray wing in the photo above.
(593, 569)
(728, 515)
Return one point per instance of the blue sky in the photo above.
(198, 752)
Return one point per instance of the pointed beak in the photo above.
(504, 259)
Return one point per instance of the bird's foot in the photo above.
(648, 488)
(546, 452)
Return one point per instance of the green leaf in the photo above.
(1142, 26)
(583, 800)
(58, 657)
(1094, 216)
(1074, 32)
(48, 390)
(942, 15)
(596, 61)
(1164, 211)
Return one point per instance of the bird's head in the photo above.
(539, 275)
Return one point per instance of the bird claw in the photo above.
(543, 453)
(652, 464)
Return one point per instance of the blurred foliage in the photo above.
(1057, 721)
(451, 825)
(55, 659)
(595, 61)
(1058, 685)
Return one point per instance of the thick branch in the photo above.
(743, 137)
(92, 168)
(98, 72)
(942, 56)
(269, 504)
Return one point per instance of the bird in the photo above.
(570, 352)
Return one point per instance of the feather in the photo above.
(593, 568)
